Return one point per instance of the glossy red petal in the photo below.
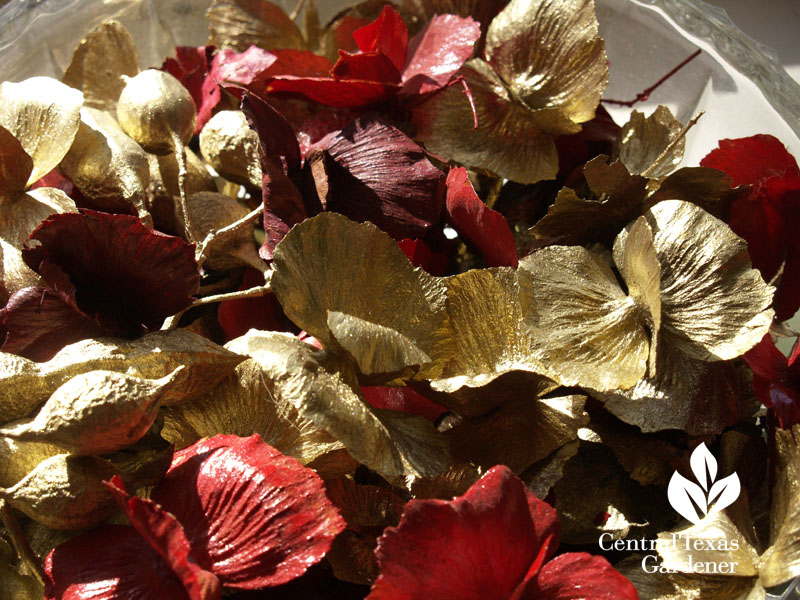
(421, 255)
(126, 277)
(485, 228)
(38, 323)
(767, 361)
(339, 93)
(109, 563)
(387, 34)
(477, 546)
(164, 534)
(237, 317)
(192, 66)
(437, 52)
(259, 518)
(372, 66)
(375, 172)
(243, 68)
(750, 160)
(255, 67)
(402, 399)
(579, 576)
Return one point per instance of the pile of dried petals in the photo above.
(387, 308)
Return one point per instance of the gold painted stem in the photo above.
(20, 541)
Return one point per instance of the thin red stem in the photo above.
(642, 96)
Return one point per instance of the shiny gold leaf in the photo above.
(329, 263)
(517, 434)
(714, 305)
(65, 492)
(20, 214)
(642, 140)
(94, 413)
(584, 327)
(44, 115)
(15, 165)
(98, 63)
(552, 59)
(709, 189)
(238, 24)
(25, 384)
(230, 146)
(453, 482)
(107, 166)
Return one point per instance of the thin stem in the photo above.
(297, 9)
(200, 253)
(671, 146)
(180, 158)
(494, 193)
(642, 96)
(20, 541)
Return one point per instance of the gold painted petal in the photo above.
(43, 114)
(107, 166)
(330, 263)
(15, 165)
(542, 475)
(636, 259)
(714, 305)
(393, 444)
(551, 57)
(709, 189)
(680, 586)
(519, 433)
(642, 140)
(716, 529)
(453, 482)
(489, 337)
(65, 492)
(238, 24)
(376, 349)
(585, 329)
(695, 396)
(25, 384)
(19, 216)
(508, 140)
(245, 403)
(98, 63)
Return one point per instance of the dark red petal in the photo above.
(579, 576)
(237, 317)
(402, 399)
(757, 220)
(165, 535)
(767, 361)
(479, 224)
(480, 545)
(38, 323)
(387, 34)
(420, 255)
(259, 518)
(783, 195)
(374, 172)
(255, 67)
(192, 66)
(339, 93)
(372, 66)
(277, 141)
(109, 563)
(126, 277)
(750, 160)
(437, 52)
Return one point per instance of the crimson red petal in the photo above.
(196, 68)
(757, 220)
(767, 361)
(402, 399)
(39, 322)
(477, 546)
(479, 224)
(421, 255)
(372, 66)
(579, 576)
(437, 52)
(243, 68)
(237, 317)
(374, 172)
(259, 518)
(126, 277)
(387, 34)
(255, 67)
(339, 93)
(108, 564)
(750, 160)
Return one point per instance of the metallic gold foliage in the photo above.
(25, 384)
(18, 458)
(99, 62)
(94, 413)
(230, 146)
(238, 24)
(542, 475)
(642, 141)
(44, 115)
(64, 492)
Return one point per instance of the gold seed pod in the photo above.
(231, 148)
(65, 492)
(95, 413)
(157, 111)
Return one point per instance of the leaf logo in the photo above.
(693, 501)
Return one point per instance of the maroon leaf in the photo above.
(107, 564)
(437, 52)
(126, 278)
(776, 381)
(579, 576)
(479, 224)
(372, 171)
(197, 68)
(237, 317)
(257, 518)
(402, 399)
(481, 545)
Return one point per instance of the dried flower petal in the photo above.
(195, 68)
(238, 24)
(642, 140)
(18, 458)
